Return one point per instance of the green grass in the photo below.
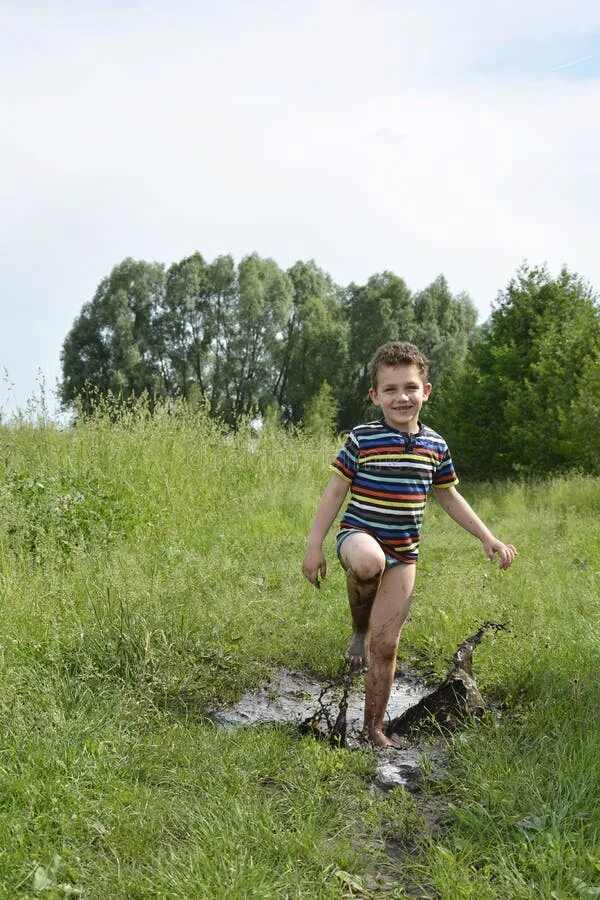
(150, 567)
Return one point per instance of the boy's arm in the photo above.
(458, 509)
(314, 563)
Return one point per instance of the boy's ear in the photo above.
(373, 396)
(427, 391)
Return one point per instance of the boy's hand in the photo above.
(506, 552)
(313, 565)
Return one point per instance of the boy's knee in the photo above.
(384, 646)
(367, 567)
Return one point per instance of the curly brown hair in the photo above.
(398, 353)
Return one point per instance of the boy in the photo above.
(389, 466)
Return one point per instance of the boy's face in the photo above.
(400, 392)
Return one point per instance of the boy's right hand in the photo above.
(313, 565)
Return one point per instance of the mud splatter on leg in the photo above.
(361, 594)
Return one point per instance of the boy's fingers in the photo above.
(313, 577)
(322, 571)
(508, 554)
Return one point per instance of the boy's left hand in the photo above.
(506, 552)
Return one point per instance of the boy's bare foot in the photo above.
(356, 652)
(378, 739)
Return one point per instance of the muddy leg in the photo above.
(364, 562)
(361, 594)
(389, 612)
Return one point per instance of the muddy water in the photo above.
(294, 697)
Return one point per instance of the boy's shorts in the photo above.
(390, 561)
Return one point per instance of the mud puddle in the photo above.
(313, 704)
(333, 711)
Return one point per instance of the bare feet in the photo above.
(378, 739)
(356, 652)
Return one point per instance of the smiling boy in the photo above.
(389, 467)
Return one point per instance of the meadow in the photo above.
(150, 567)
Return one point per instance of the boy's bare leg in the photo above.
(389, 612)
(364, 562)
(361, 594)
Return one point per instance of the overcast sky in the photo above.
(420, 137)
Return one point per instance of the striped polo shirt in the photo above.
(390, 473)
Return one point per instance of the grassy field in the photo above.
(149, 567)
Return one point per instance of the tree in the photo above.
(256, 333)
(383, 310)
(514, 401)
(223, 278)
(185, 325)
(315, 346)
(321, 413)
(580, 421)
(113, 345)
(377, 312)
(194, 326)
(444, 325)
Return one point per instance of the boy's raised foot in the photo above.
(356, 652)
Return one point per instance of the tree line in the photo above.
(247, 338)
(520, 394)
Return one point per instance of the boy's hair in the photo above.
(398, 353)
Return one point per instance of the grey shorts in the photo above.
(390, 561)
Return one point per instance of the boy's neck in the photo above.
(412, 427)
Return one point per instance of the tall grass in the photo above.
(149, 568)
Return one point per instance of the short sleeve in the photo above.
(346, 462)
(444, 475)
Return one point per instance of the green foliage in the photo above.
(241, 338)
(384, 310)
(265, 300)
(203, 330)
(583, 414)
(377, 312)
(188, 323)
(112, 344)
(316, 343)
(444, 326)
(321, 413)
(516, 404)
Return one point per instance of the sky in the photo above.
(419, 137)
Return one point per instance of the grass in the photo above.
(150, 567)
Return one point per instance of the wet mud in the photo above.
(294, 697)
(333, 711)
